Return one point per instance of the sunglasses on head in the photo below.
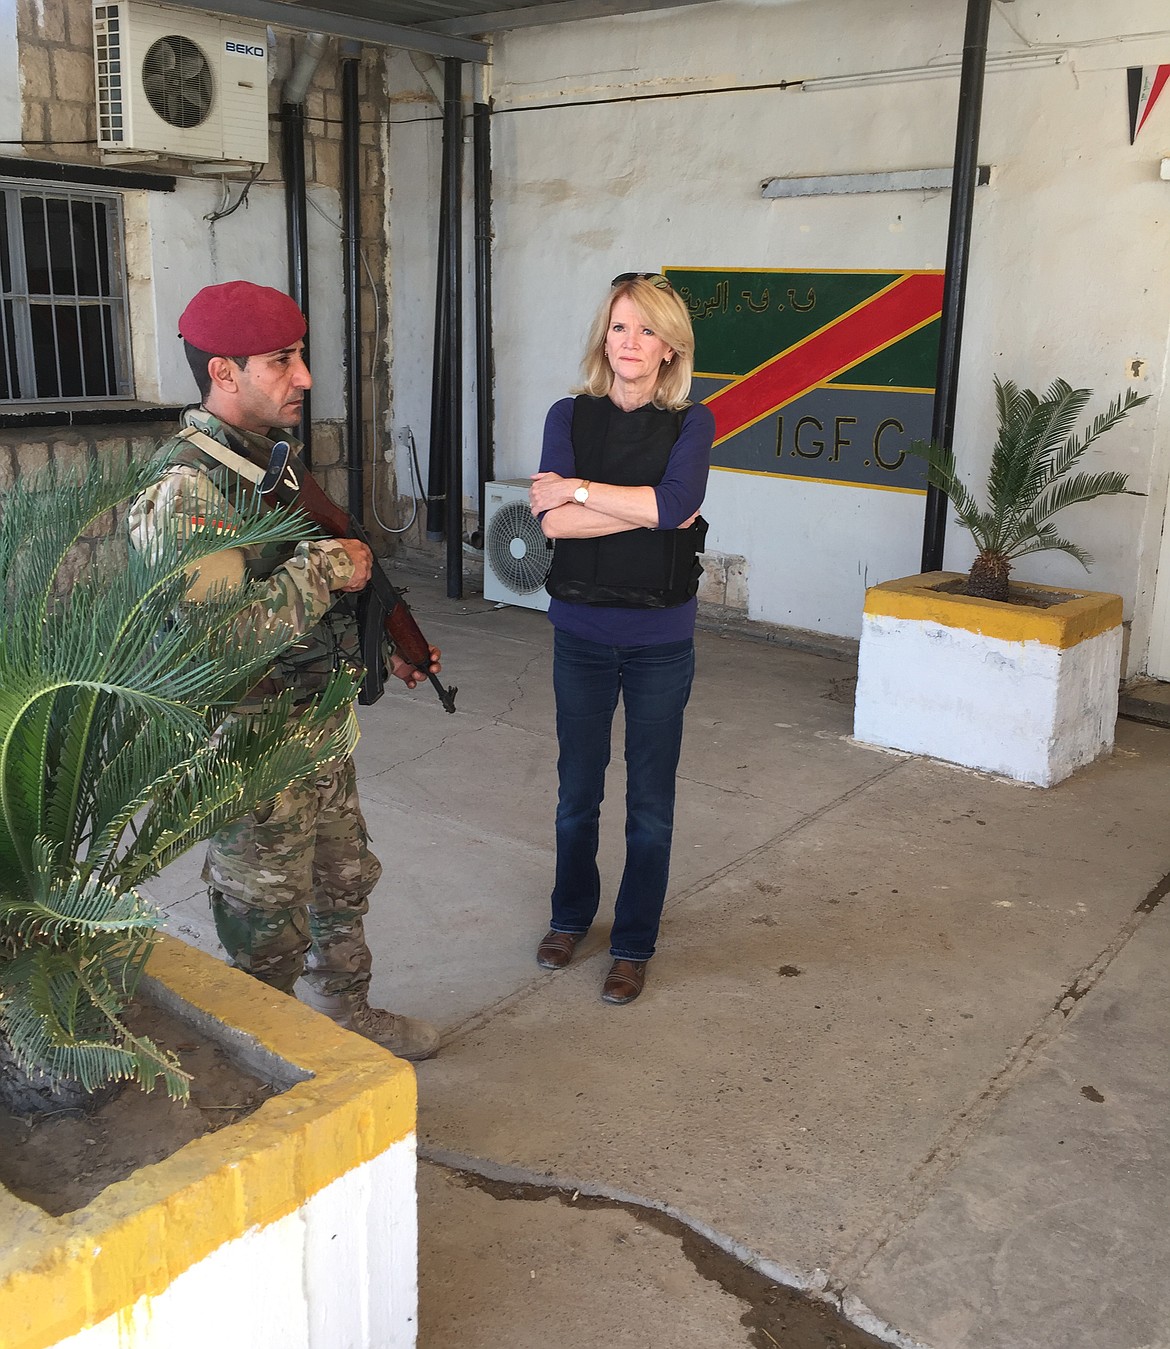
(655, 279)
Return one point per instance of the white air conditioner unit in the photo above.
(178, 82)
(516, 555)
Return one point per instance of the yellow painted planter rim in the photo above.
(1084, 614)
(137, 1236)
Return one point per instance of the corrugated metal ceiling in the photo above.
(467, 17)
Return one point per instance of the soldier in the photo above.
(289, 884)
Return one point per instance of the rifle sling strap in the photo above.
(245, 468)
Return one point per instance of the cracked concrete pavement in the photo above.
(904, 1043)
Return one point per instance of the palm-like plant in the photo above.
(1028, 483)
(113, 760)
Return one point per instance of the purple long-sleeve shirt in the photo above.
(679, 494)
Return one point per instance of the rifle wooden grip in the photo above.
(407, 637)
(398, 622)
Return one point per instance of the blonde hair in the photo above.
(665, 313)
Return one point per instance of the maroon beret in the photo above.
(239, 318)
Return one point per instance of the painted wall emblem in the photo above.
(825, 376)
(1144, 85)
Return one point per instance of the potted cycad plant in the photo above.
(109, 768)
(1029, 479)
(1015, 679)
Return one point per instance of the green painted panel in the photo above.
(743, 318)
(908, 364)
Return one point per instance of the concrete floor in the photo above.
(904, 1042)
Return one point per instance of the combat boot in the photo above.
(405, 1036)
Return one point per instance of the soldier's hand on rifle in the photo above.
(410, 676)
(363, 564)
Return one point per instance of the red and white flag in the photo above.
(1145, 84)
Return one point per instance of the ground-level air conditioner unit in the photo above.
(516, 557)
(178, 82)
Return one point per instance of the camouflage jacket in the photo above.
(299, 581)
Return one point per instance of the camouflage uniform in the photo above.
(290, 883)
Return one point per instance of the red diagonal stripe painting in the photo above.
(899, 309)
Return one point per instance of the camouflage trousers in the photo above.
(290, 885)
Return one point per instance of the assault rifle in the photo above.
(381, 608)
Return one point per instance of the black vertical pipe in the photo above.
(440, 382)
(453, 207)
(292, 142)
(351, 229)
(484, 362)
(946, 381)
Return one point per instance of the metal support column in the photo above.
(484, 363)
(292, 142)
(351, 212)
(453, 210)
(958, 252)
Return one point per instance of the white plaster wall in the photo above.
(340, 1273)
(414, 158)
(180, 251)
(1069, 259)
(9, 79)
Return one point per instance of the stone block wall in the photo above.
(724, 583)
(22, 454)
(56, 77)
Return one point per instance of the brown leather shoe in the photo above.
(556, 950)
(624, 981)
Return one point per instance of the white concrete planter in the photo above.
(1024, 692)
(295, 1228)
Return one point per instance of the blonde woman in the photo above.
(622, 475)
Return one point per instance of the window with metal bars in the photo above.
(64, 333)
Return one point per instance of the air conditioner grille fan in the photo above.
(176, 78)
(517, 549)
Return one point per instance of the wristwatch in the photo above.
(582, 492)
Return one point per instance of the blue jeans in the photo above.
(655, 683)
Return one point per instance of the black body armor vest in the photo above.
(639, 568)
